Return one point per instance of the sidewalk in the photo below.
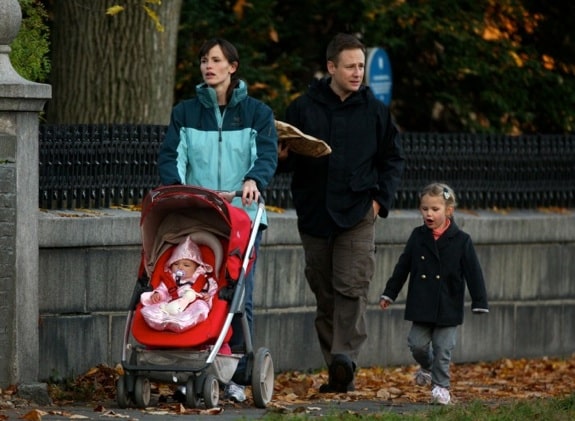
(33, 403)
(228, 411)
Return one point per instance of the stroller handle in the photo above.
(239, 193)
(260, 197)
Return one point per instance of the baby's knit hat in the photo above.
(187, 249)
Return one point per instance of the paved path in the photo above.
(228, 411)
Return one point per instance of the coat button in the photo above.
(423, 276)
(437, 277)
(422, 257)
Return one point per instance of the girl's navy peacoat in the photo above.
(438, 272)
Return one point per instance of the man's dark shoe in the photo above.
(350, 387)
(336, 388)
(341, 370)
(341, 374)
(327, 388)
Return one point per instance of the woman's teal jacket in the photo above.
(218, 148)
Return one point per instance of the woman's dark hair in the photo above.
(342, 42)
(230, 53)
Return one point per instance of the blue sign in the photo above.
(378, 74)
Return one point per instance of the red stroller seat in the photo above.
(203, 333)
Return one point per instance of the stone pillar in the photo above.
(21, 101)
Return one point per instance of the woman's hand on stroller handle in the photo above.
(248, 195)
(250, 192)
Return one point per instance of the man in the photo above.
(338, 198)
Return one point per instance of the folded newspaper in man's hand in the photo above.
(300, 142)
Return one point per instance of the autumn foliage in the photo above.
(497, 381)
(501, 380)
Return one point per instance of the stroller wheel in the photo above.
(122, 397)
(211, 391)
(142, 392)
(192, 398)
(263, 378)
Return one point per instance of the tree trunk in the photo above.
(112, 69)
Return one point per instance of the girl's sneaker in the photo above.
(440, 395)
(422, 377)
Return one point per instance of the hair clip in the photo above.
(446, 194)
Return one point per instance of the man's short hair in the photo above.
(342, 42)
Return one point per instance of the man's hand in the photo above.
(283, 150)
(376, 208)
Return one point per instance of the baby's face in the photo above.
(185, 265)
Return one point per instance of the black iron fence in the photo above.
(101, 166)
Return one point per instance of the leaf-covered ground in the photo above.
(490, 381)
(501, 380)
(496, 381)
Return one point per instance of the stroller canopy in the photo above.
(171, 213)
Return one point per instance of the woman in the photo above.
(223, 140)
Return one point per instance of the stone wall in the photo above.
(20, 104)
(7, 237)
(89, 263)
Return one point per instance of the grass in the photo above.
(553, 409)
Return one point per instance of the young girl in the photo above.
(184, 299)
(439, 259)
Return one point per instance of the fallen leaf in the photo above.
(34, 415)
(212, 411)
(275, 209)
(113, 414)
(383, 394)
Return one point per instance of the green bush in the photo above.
(29, 55)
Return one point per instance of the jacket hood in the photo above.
(319, 90)
(187, 249)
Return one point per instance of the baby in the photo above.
(184, 297)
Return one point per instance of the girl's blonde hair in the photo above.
(440, 189)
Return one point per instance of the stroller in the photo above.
(226, 236)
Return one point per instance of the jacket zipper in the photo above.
(220, 147)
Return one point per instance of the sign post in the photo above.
(378, 74)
